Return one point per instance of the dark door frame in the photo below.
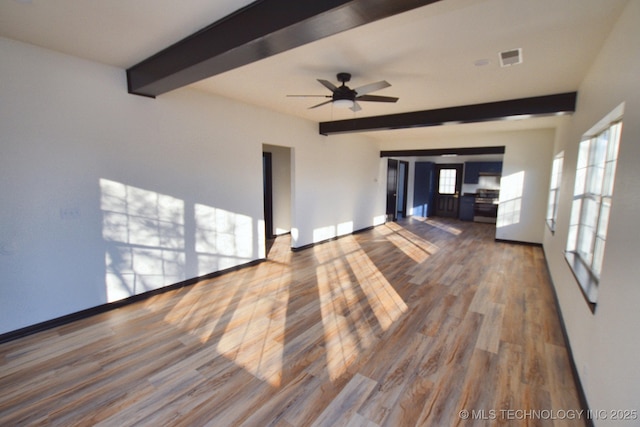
(405, 186)
(392, 188)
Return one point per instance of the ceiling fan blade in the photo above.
(356, 107)
(376, 98)
(328, 85)
(322, 103)
(372, 87)
(309, 96)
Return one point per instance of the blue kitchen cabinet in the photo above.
(466, 207)
(472, 170)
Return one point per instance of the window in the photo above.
(554, 191)
(447, 181)
(595, 172)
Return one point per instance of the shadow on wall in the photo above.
(154, 240)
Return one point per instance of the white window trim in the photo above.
(586, 278)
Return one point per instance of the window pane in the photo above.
(610, 168)
(581, 178)
(598, 255)
(447, 181)
(583, 154)
(575, 212)
(589, 215)
(556, 172)
(572, 238)
(585, 244)
(614, 141)
(603, 222)
(599, 146)
(552, 204)
(609, 174)
(595, 174)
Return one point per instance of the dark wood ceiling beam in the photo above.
(262, 29)
(436, 152)
(538, 106)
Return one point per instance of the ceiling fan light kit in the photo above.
(343, 103)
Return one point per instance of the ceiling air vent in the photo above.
(510, 57)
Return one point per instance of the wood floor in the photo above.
(406, 324)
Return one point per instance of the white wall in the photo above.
(606, 344)
(106, 194)
(337, 182)
(525, 175)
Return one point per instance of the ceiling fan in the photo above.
(345, 97)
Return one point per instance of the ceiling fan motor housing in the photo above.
(344, 92)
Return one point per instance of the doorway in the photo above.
(448, 187)
(267, 189)
(397, 183)
(277, 167)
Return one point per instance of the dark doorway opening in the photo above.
(267, 175)
(397, 183)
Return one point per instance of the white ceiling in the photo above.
(427, 54)
(115, 32)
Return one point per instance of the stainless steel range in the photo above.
(485, 208)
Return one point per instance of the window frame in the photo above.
(554, 191)
(592, 195)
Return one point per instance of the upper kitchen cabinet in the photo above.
(472, 170)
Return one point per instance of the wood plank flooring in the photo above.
(407, 324)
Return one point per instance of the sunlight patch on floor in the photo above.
(190, 311)
(253, 337)
(441, 225)
(385, 302)
(336, 296)
(356, 303)
(415, 247)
